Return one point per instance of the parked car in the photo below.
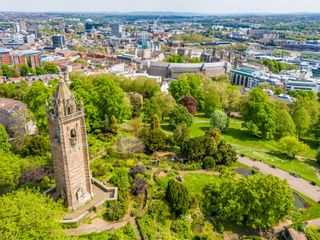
(273, 166)
(313, 183)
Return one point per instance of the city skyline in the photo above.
(200, 6)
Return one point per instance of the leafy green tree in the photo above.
(188, 85)
(25, 70)
(293, 146)
(284, 124)
(101, 97)
(211, 103)
(302, 121)
(220, 120)
(225, 154)
(50, 68)
(160, 105)
(199, 147)
(180, 115)
(25, 214)
(155, 122)
(318, 155)
(154, 139)
(9, 173)
(8, 71)
(39, 70)
(174, 58)
(37, 145)
(159, 210)
(182, 229)
(259, 114)
(313, 233)
(178, 197)
(257, 202)
(4, 137)
(208, 163)
(36, 98)
(181, 134)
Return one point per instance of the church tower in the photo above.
(69, 147)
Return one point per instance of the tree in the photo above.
(259, 114)
(188, 85)
(178, 197)
(155, 122)
(50, 68)
(208, 163)
(111, 125)
(25, 214)
(25, 70)
(36, 97)
(139, 186)
(8, 72)
(211, 103)
(181, 134)
(284, 124)
(37, 145)
(154, 139)
(292, 146)
(318, 155)
(180, 115)
(302, 120)
(257, 202)
(4, 137)
(40, 71)
(190, 103)
(101, 97)
(219, 120)
(174, 58)
(10, 171)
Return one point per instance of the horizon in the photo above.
(203, 7)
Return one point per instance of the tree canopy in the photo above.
(25, 214)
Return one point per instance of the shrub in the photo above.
(208, 163)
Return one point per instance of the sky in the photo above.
(198, 6)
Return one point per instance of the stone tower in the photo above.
(69, 147)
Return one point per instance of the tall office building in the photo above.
(116, 29)
(58, 41)
(22, 25)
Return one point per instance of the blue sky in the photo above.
(201, 6)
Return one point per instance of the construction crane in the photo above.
(155, 24)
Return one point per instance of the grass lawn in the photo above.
(266, 150)
(312, 212)
(196, 182)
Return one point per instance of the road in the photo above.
(298, 184)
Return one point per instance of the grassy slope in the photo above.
(266, 150)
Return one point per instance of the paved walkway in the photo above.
(297, 184)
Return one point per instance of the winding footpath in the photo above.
(298, 184)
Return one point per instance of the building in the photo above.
(69, 148)
(245, 77)
(5, 56)
(316, 72)
(116, 30)
(174, 70)
(21, 57)
(58, 41)
(22, 25)
(30, 57)
(14, 116)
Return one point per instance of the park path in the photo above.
(297, 184)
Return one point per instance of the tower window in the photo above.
(73, 133)
(69, 110)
